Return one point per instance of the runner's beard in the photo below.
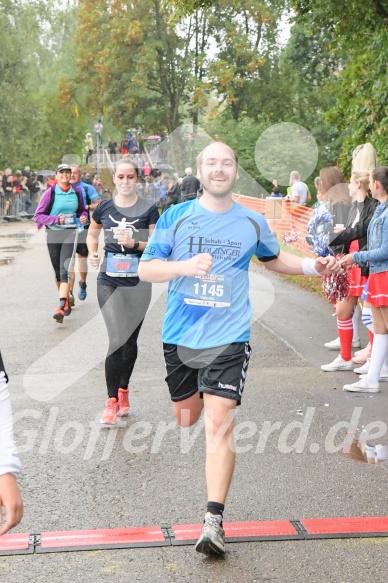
(221, 191)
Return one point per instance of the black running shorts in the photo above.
(217, 371)
(82, 248)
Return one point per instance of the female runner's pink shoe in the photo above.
(123, 403)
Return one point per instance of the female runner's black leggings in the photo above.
(123, 309)
(61, 246)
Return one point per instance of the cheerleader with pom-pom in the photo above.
(376, 257)
(352, 238)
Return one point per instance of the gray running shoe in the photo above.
(212, 539)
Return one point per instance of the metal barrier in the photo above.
(292, 217)
(19, 207)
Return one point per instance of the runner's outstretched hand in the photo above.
(327, 265)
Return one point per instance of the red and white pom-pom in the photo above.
(291, 237)
(336, 285)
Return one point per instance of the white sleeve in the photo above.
(9, 462)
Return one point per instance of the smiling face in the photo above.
(75, 175)
(125, 179)
(218, 170)
(63, 178)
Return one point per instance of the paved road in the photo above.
(147, 472)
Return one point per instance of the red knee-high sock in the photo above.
(370, 336)
(345, 333)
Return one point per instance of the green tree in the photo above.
(35, 51)
(245, 34)
(134, 60)
(358, 39)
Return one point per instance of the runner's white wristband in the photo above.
(308, 266)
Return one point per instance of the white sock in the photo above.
(367, 318)
(356, 324)
(384, 368)
(379, 354)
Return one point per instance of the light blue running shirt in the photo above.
(210, 311)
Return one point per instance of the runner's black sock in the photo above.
(215, 508)
(62, 302)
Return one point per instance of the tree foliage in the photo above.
(34, 52)
(135, 66)
(358, 40)
(221, 65)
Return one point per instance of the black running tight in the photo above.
(123, 309)
(61, 246)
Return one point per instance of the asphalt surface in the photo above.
(147, 472)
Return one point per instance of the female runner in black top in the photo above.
(127, 221)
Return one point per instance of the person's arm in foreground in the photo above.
(158, 270)
(10, 497)
(92, 243)
(290, 264)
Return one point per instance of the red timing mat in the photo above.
(345, 527)
(101, 539)
(15, 544)
(186, 534)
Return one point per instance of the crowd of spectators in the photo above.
(20, 191)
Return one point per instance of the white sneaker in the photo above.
(363, 369)
(336, 344)
(333, 345)
(338, 364)
(362, 386)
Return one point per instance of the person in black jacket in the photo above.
(173, 192)
(334, 191)
(352, 238)
(190, 186)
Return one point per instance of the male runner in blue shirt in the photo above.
(203, 247)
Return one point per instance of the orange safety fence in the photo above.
(294, 217)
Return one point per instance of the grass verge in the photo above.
(312, 284)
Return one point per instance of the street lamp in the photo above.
(98, 129)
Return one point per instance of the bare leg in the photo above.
(219, 424)
(63, 290)
(188, 412)
(345, 309)
(72, 279)
(83, 267)
(220, 454)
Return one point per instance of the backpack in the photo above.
(52, 197)
(88, 199)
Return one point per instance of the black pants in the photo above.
(123, 309)
(61, 246)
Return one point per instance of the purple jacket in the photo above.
(42, 218)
